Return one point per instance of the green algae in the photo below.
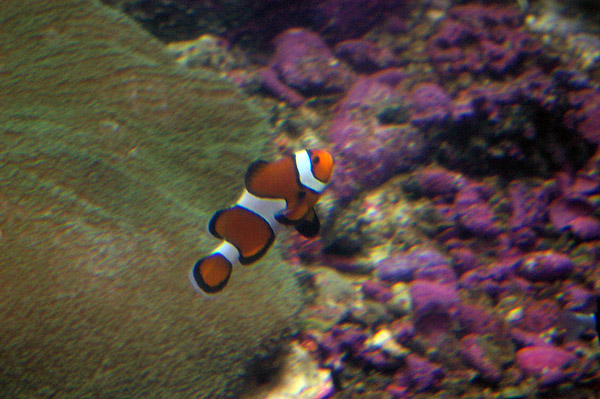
(111, 162)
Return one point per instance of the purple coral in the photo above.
(303, 62)
(396, 268)
(545, 266)
(473, 214)
(539, 316)
(430, 104)
(549, 364)
(526, 215)
(423, 374)
(562, 211)
(475, 319)
(365, 56)
(275, 86)
(479, 38)
(473, 354)
(576, 298)
(583, 117)
(431, 298)
(585, 227)
(436, 181)
(370, 149)
(427, 263)
(376, 291)
(463, 260)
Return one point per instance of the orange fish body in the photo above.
(276, 194)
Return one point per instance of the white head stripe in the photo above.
(266, 208)
(305, 171)
(229, 252)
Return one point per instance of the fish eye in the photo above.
(301, 194)
(315, 159)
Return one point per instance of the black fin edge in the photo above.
(213, 221)
(251, 259)
(253, 168)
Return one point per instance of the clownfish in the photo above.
(276, 194)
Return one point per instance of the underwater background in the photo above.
(459, 255)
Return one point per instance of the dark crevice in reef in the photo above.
(525, 142)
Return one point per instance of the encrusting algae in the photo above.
(111, 162)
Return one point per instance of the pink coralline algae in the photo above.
(475, 319)
(479, 38)
(576, 215)
(478, 219)
(585, 227)
(545, 266)
(422, 374)
(491, 99)
(365, 56)
(577, 298)
(442, 274)
(370, 149)
(527, 215)
(430, 104)
(584, 115)
(473, 354)
(491, 278)
(424, 262)
(547, 363)
(430, 297)
(473, 214)
(434, 181)
(373, 290)
(303, 62)
(275, 86)
(538, 316)
(463, 260)
(340, 340)
(574, 209)
(516, 141)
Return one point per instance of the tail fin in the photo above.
(210, 274)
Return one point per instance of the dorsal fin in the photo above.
(254, 168)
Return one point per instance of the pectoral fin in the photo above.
(296, 212)
(309, 225)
